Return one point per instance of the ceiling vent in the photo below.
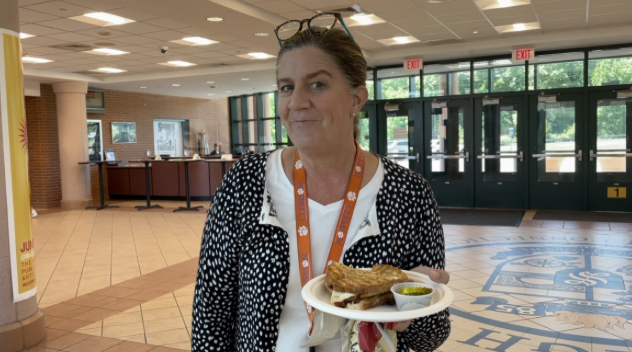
(444, 42)
(73, 47)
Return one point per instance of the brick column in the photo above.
(21, 321)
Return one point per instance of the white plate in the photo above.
(316, 294)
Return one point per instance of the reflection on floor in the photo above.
(122, 280)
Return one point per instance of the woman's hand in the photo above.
(436, 275)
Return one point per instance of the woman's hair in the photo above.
(345, 54)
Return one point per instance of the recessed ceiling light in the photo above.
(262, 34)
(108, 70)
(25, 35)
(143, 87)
(399, 40)
(175, 85)
(475, 32)
(177, 63)
(102, 19)
(256, 56)
(500, 4)
(245, 79)
(210, 82)
(214, 19)
(107, 51)
(35, 60)
(194, 41)
(519, 26)
(505, 3)
(364, 20)
(274, 85)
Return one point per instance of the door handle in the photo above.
(465, 156)
(517, 156)
(578, 155)
(610, 155)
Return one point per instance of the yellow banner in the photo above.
(15, 143)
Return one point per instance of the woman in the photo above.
(247, 296)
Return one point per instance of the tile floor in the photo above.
(122, 280)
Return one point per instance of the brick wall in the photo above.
(120, 106)
(44, 169)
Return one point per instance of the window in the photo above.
(559, 71)
(256, 126)
(450, 79)
(370, 85)
(498, 76)
(610, 67)
(95, 140)
(395, 83)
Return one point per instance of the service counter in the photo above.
(167, 180)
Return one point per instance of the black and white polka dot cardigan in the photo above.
(244, 265)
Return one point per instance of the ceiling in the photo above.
(453, 29)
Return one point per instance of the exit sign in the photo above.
(522, 54)
(413, 64)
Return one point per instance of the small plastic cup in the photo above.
(407, 302)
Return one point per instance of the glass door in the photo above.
(500, 139)
(367, 125)
(556, 153)
(448, 144)
(95, 138)
(610, 154)
(400, 140)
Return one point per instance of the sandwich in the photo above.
(362, 289)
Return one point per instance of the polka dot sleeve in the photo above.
(428, 249)
(217, 286)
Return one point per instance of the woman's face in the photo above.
(315, 103)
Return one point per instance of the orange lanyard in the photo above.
(302, 219)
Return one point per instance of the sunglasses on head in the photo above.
(317, 24)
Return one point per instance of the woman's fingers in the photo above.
(436, 275)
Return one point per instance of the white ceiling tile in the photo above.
(70, 37)
(38, 30)
(563, 23)
(321, 4)
(30, 16)
(60, 9)
(449, 8)
(113, 33)
(624, 16)
(608, 2)
(298, 15)
(522, 34)
(482, 33)
(166, 23)
(166, 35)
(47, 50)
(482, 24)
(379, 6)
(136, 39)
(605, 10)
(67, 25)
(208, 55)
(418, 14)
(22, 3)
(99, 5)
(280, 7)
(139, 28)
(376, 28)
(43, 41)
(204, 31)
(461, 17)
(560, 15)
(135, 15)
(561, 5)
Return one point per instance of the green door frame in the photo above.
(507, 191)
(552, 192)
(598, 183)
(451, 192)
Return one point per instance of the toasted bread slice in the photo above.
(362, 282)
(373, 301)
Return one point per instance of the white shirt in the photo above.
(294, 323)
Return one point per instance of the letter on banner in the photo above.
(15, 145)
